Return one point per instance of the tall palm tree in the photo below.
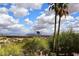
(63, 11)
(53, 6)
(60, 9)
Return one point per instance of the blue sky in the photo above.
(19, 18)
(32, 16)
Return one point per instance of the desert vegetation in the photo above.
(68, 45)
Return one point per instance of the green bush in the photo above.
(76, 43)
(37, 43)
(10, 49)
(66, 41)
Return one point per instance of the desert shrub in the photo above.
(10, 49)
(51, 46)
(36, 44)
(68, 42)
(76, 43)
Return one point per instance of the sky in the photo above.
(27, 18)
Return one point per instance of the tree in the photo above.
(62, 11)
(38, 32)
(53, 6)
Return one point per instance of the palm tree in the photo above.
(62, 11)
(59, 9)
(53, 6)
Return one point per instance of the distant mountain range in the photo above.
(26, 35)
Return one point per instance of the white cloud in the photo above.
(50, 19)
(39, 26)
(7, 20)
(3, 10)
(72, 7)
(9, 25)
(46, 22)
(28, 22)
(46, 19)
(22, 9)
(17, 29)
(46, 31)
(19, 12)
(29, 5)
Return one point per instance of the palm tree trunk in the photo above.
(55, 21)
(54, 28)
(59, 26)
(57, 43)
